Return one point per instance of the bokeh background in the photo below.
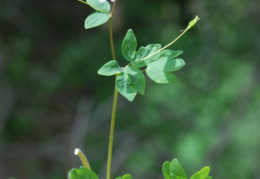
(52, 100)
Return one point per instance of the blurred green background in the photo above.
(52, 100)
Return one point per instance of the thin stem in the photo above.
(82, 157)
(166, 46)
(111, 38)
(111, 136)
(190, 25)
(113, 115)
(113, 8)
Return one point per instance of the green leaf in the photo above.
(144, 52)
(172, 64)
(173, 170)
(161, 77)
(97, 5)
(127, 176)
(166, 170)
(202, 174)
(170, 54)
(82, 173)
(160, 70)
(129, 45)
(96, 19)
(124, 86)
(138, 78)
(208, 177)
(110, 68)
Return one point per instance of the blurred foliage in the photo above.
(52, 99)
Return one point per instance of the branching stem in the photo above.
(166, 46)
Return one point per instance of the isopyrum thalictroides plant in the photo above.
(156, 61)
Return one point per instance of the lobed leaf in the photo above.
(160, 70)
(129, 45)
(124, 86)
(127, 176)
(138, 78)
(97, 5)
(173, 170)
(144, 52)
(110, 68)
(96, 19)
(202, 174)
(82, 173)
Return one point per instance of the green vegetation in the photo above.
(158, 64)
(171, 170)
(52, 100)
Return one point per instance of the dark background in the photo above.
(52, 100)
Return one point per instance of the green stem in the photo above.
(113, 8)
(166, 46)
(111, 136)
(113, 115)
(111, 39)
(82, 157)
(190, 25)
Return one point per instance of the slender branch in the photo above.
(166, 46)
(111, 38)
(82, 157)
(113, 115)
(190, 25)
(111, 32)
(111, 136)
(113, 8)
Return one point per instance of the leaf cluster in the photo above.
(170, 170)
(100, 16)
(157, 63)
(174, 170)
